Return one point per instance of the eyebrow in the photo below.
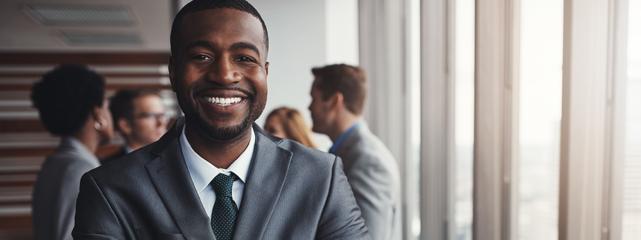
(235, 46)
(245, 45)
(199, 43)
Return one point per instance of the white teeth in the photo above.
(223, 101)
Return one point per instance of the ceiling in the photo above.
(85, 25)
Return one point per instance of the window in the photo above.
(463, 117)
(412, 165)
(540, 83)
(632, 161)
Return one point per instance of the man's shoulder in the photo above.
(68, 161)
(301, 151)
(368, 151)
(365, 143)
(125, 168)
(303, 157)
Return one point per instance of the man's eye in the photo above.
(202, 58)
(245, 59)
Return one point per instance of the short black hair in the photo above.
(66, 96)
(121, 104)
(200, 5)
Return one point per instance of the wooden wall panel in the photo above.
(20, 126)
(24, 142)
(124, 58)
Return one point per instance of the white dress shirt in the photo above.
(202, 172)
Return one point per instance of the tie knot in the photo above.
(222, 184)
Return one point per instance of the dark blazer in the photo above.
(292, 192)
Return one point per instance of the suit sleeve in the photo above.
(341, 217)
(373, 192)
(95, 218)
(69, 194)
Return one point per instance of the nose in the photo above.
(225, 72)
(161, 121)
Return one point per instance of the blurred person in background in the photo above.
(284, 122)
(338, 97)
(139, 116)
(71, 102)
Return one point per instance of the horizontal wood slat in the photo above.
(128, 58)
(16, 227)
(17, 180)
(19, 170)
(14, 222)
(21, 125)
(45, 151)
(26, 151)
(30, 75)
(25, 142)
(112, 87)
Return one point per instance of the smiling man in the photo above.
(218, 175)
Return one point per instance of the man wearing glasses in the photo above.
(139, 116)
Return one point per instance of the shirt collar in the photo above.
(81, 149)
(128, 149)
(202, 172)
(341, 138)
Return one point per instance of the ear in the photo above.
(336, 101)
(124, 126)
(98, 115)
(266, 68)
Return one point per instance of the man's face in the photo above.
(106, 131)
(149, 121)
(321, 111)
(219, 71)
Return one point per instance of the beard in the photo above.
(226, 133)
(187, 95)
(222, 133)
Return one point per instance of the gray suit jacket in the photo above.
(292, 192)
(56, 189)
(373, 174)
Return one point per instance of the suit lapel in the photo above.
(265, 181)
(171, 178)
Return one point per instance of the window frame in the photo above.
(496, 120)
(437, 134)
(592, 107)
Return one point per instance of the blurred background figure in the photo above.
(139, 115)
(284, 122)
(71, 103)
(338, 98)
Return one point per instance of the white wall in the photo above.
(299, 40)
(342, 31)
(296, 44)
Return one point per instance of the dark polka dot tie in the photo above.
(223, 216)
